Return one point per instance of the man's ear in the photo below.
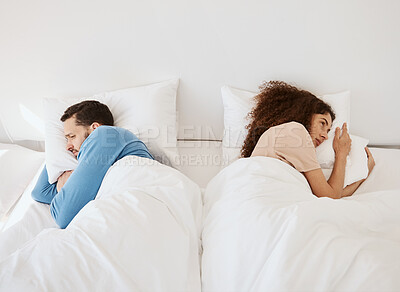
(94, 125)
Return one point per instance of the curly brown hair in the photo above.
(279, 103)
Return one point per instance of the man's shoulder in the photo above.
(105, 129)
(116, 131)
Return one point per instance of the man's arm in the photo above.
(63, 179)
(96, 155)
(44, 192)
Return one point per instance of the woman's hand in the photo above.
(342, 143)
(371, 161)
(63, 179)
(350, 189)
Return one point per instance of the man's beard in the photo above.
(85, 135)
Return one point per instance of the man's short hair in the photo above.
(88, 112)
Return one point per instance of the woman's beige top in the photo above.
(291, 143)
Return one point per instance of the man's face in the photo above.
(75, 135)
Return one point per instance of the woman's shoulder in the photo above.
(292, 125)
(285, 134)
(285, 127)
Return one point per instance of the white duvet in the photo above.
(265, 231)
(140, 234)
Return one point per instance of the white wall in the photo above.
(54, 48)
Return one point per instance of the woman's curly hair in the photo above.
(279, 103)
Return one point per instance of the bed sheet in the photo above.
(264, 230)
(23, 204)
(18, 166)
(140, 234)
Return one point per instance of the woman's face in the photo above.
(320, 126)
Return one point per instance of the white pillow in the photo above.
(238, 103)
(18, 166)
(357, 162)
(147, 111)
(340, 104)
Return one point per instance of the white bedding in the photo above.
(18, 165)
(140, 234)
(264, 230)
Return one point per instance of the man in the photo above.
(91, 137)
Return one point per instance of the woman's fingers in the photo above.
(344, 129)
(369, 154)
(337, 132)
(371, 161)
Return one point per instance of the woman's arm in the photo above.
(350, 189)
(320, 187)
(336, 180)
(333, 188)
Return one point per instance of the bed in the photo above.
(263, 230)
(141, 233)
(198, 218)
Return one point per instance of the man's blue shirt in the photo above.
(104, 146)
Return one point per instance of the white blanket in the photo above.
(140, 234)
(265, 231)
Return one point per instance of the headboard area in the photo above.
(79, 48)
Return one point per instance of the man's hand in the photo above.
(63, 179)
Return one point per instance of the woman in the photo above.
(288, 124)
